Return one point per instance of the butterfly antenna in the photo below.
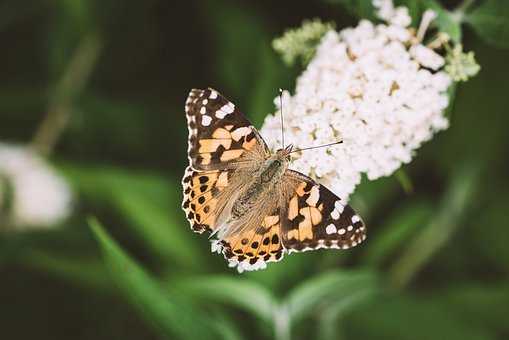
(316, 147)
(281, 115)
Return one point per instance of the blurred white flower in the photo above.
(40, 198)
(370, 86)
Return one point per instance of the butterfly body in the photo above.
(264, 184)
(247, 197)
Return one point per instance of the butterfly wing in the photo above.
(202, 203)
(220, 136)
(254, 247)
(314, 217)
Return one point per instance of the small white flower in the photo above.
(371, 87)
(427, 57)
(396, 16)
(40, 198)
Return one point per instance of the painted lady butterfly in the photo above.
(246, 196)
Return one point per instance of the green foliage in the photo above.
(144, 200)
(238, 292)
(454, 205)
(489, 20)
(333, 290)
(170, 315)
(361, 8)
(402, 316)
(397, 230)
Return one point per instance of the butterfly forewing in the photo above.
(219, 134)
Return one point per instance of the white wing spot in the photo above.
(237, 134)
(330, 229)
(203, 110)
(335, 214)
(340, 207)
(220, 114)
(205, 120)
(349, 228)
(228, 108)
(341, 231)
(204, 102)
(355, 219)
(213, 95)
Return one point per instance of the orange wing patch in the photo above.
(303, 212)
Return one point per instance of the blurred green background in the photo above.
(436, 262)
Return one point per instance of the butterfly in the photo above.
(254, 206)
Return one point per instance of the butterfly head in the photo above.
(284, 154)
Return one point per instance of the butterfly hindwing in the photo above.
(254, 247)
(316, 218)
(219, 134)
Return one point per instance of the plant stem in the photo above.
(69, 86)
(405, 181)
(282, 326)
(464, 6)
(459, 13)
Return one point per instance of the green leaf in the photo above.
(400, 316)
(148, 202)
(238, 292)
(483, 305)
(170, 315)
(85, 272)
(490, 21)
(331, 317)
(226, 327)
(396, 230)
(360, 8)
(453, 205)
(318, 291)
(489, 243)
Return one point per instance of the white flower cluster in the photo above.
(376, 88)
(40, 198)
